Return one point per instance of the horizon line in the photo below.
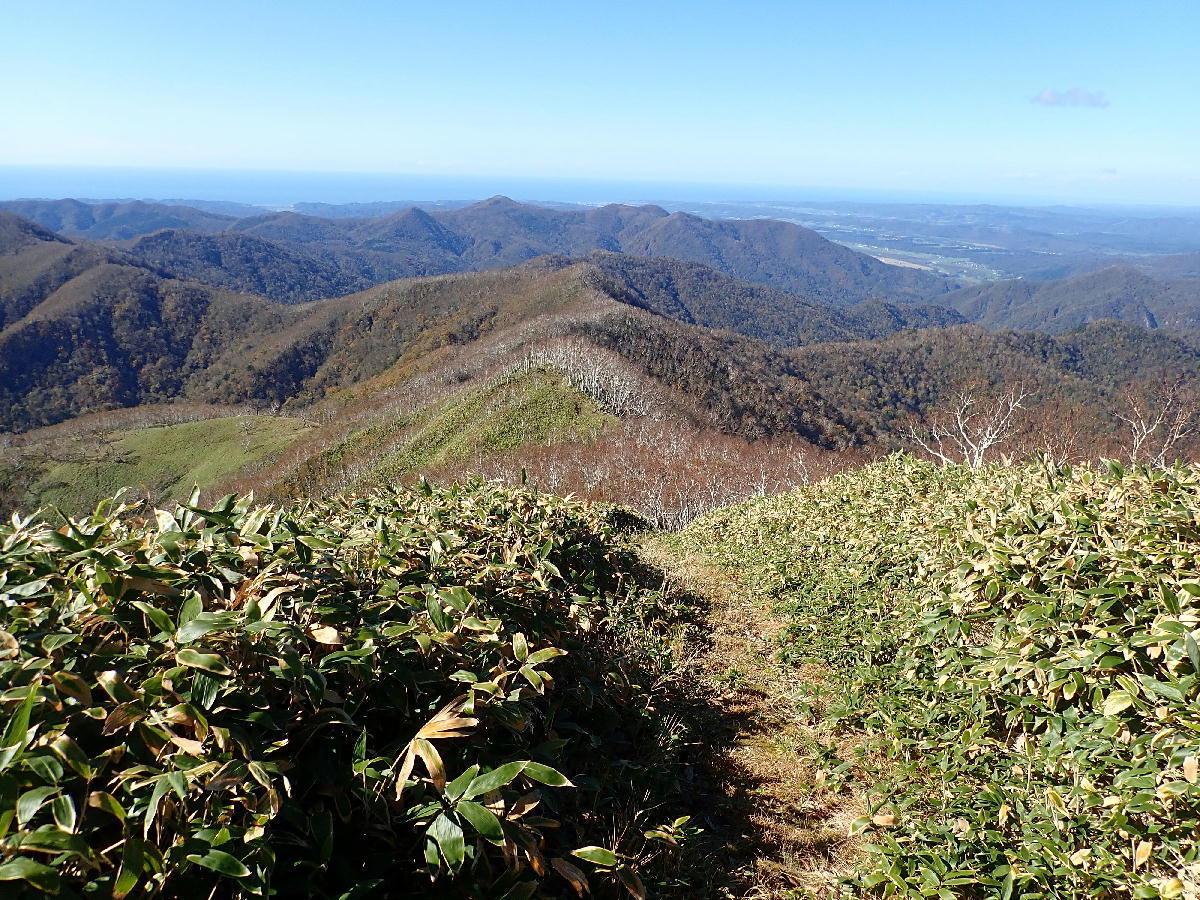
(789, 192)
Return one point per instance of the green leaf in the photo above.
(313, 542)
(203, 623)
(220, 861)
(178, 784)
(49, 837)
(1193, 652)
(161, 786)
(204, 689)
(482, 820)
(1116, 702)
(437, 614)
(458, 597)
(1162, 689)
(159, 618)
(191, 608)
(22, 868)
(71, 753)
(26, 590)
(543, 655)
(208, 662)
(546, 775)
(596, 855)
(132, 859)
(495, 779)
(31, 801)
(108, 803)
(449, 837)
(459, 786)
(16, 733)
(46, 766)
(64, 813)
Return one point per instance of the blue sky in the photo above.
(932, 97)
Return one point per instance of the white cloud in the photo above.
(1073, 97)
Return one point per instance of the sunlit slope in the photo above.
(1018, 647)
(160, 463)
(511, 410)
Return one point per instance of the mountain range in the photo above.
(91, 327)
(281, 313)
(361, 252)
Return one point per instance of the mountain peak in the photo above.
(497, 202)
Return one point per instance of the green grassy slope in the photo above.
(163, 463)
(1012, 656)
(160, 463)
(531, 407)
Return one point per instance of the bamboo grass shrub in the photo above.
(341, 698)
(1020, 647)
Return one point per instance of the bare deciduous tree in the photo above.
(1159, 421)
(616, 386)
(669, 471)
(969, 427)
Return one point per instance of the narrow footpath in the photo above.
(768, 762)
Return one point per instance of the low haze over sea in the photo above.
(279, 189)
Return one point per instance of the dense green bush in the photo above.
(1022, 645)
(345, 698)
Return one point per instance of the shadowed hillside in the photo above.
(1116, 292)
(114, 220)
(243, 262)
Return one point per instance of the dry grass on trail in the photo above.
(785, 829)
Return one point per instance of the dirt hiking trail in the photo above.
(765, 759)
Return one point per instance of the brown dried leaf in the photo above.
(325, 634)
(432, 760)
(576, 878)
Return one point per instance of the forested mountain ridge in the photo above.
(244, 262)
(91, 328)
(695, 293)
(114, 220)
(35, 262)
(1116, 292)
(492, 234)
(500, 232)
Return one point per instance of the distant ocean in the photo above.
(283, 189)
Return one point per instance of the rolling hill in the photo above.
(1115, 292)
(114, 220)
